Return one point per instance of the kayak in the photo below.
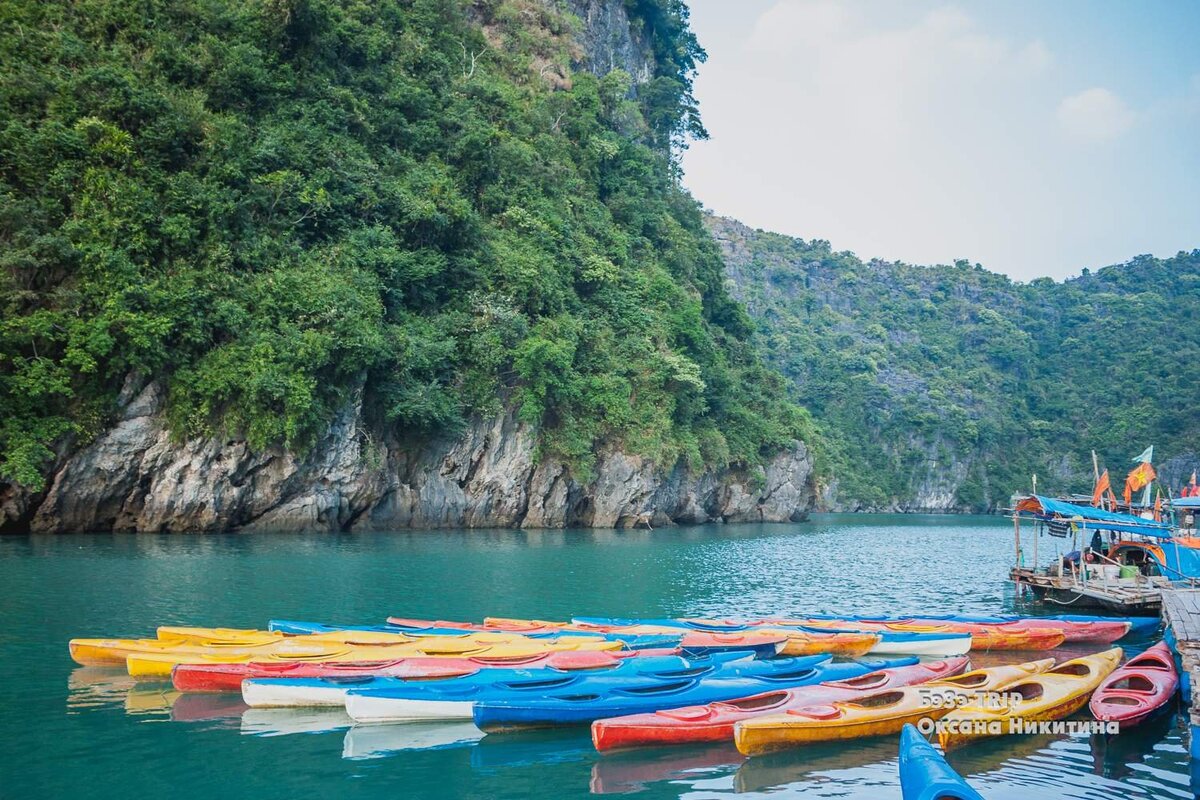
(290, 691)
(881, 713)
(1077, 628)
(299, 628)
(1051, 695)
(924, 773)
(849, 644)
(714, 722)
(922, 643)
(157, 664)
(229, 677)
(570, 707)
(1144, 684)
(998, 636)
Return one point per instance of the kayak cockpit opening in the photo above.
(1134, 683)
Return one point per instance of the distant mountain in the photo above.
(947, 387)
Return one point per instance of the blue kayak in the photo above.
(925, 775)
(331, 691)
(639, 642)
(572, 706)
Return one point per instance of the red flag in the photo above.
(1102, 485)
(1140, 477)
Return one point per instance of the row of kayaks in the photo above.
(1128, 695)
(501, 640)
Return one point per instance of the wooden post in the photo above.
(1017, 537)
(1036, 535)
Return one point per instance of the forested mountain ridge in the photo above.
(231, 231)
(947, 387)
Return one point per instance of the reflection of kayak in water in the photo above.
(203, 708)
(633, 770)
(532, 748)
(150, 699)
(789, 766)
(284, 721)
(88, 687)
(1113, 756)
(378, 741)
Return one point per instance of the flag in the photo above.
(1146, 457)
(1158, 507)
(1102, 484)
(1194, 491)
(1142, 475)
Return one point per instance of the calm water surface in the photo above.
(85, 732)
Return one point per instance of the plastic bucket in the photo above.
(1129, 571)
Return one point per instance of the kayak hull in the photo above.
(1049, 696)
(715, 722)
(1137, 690)
(924, 773)
(882, 713)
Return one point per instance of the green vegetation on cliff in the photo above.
(914, 372)
(273, 205)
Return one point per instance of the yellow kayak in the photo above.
(382, 647)
(1052, 695)
(233, 636)
(882, 713)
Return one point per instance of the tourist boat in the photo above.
(891, 642)
(283, 692)
(849, 644)
(714, 722)
(571, 707)
(1137, 689)
(1119, 561)
(881, 713)
(229, 677)
(1051, 695)
(924, 773)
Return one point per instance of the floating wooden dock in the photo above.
(1181, 613)
(1139, 596)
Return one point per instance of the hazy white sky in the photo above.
(1033, 137)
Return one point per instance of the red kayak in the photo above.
(1136, 690)
(229, 677)
(714, 722)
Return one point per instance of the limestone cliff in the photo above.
(136, 478)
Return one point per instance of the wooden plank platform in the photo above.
(1181, 610)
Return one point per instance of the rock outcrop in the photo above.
(136, 477)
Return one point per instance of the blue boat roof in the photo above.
(1185, 502)
(1090, 517)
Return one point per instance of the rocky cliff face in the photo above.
(136, 478)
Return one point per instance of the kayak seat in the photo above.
(348, 680)
(1135, 684)
(689, 714)
(791, 676)
(759, 703)
(881, 700)
(1078, 670)
(545, 683)
(1027, 691)
(1121, 700)
(816, 712)
(869, 681)
(665, 688)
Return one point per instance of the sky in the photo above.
(1035, 138)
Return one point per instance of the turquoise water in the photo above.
(85, 732)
